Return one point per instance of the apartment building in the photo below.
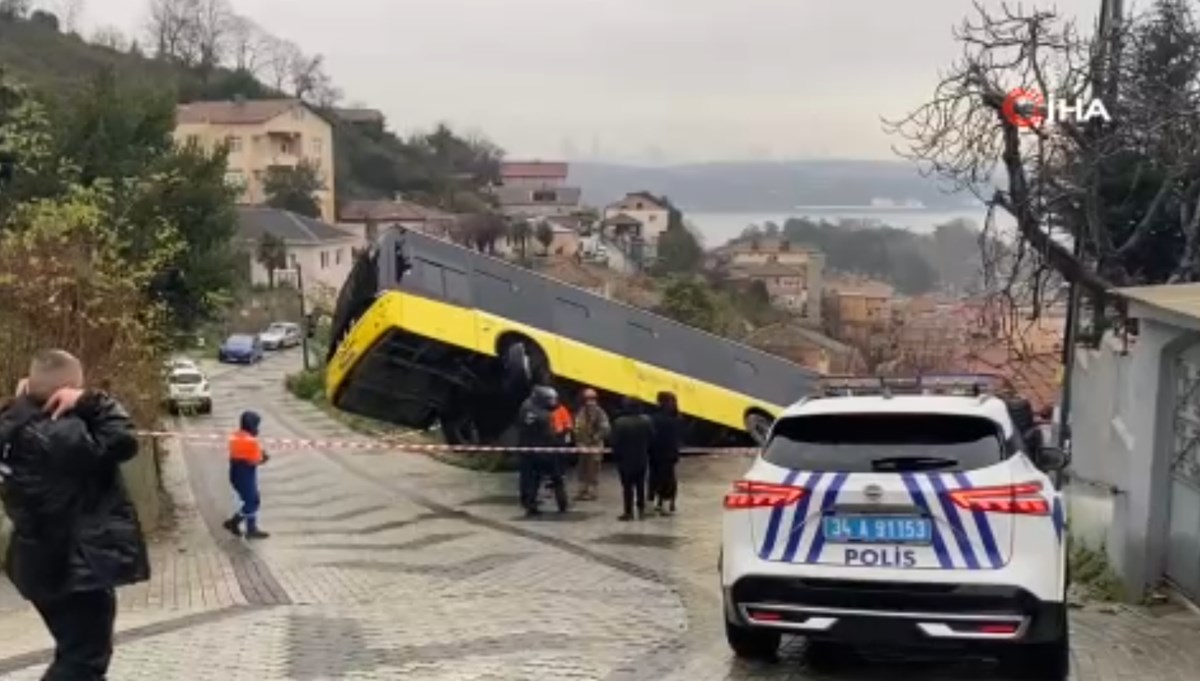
(793, 275)
(536, 189)
(261, 134)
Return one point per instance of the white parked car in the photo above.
(888, 515)
(188, 388)
(281, 335)
(181, 363)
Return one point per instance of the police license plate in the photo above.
(868, 529)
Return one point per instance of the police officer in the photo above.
(245, 456)
(535, 425)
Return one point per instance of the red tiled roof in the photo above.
(533, 170)
(248, 112)
(1036, 377)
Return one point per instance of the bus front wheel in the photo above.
(523, 364)
(758, 425)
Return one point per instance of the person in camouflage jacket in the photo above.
(591, 430)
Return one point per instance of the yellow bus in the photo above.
(428, 334)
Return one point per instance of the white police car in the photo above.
(883, 514)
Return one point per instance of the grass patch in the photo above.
(308, 384)
(1091, 573)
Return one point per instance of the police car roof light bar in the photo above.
(975, 385)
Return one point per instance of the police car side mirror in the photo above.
(1053, 459)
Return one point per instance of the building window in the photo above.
(653, 218)
(318, 147)
(337, 257)
(193, 140)
(544, 196)
(235, 143)
(324, 259)
(638, 205)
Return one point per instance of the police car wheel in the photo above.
(752, 644)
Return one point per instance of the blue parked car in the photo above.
(240, 349)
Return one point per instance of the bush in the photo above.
(306, 385)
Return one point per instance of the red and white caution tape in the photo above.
(277, 443)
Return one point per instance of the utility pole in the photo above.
(303, 314)
(1104, 84)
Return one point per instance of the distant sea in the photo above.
(718, 228)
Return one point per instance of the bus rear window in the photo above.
(857, 443)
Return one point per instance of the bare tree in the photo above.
(14, 9)
(170, 29)
(1094, 201)
(310, 81)
(211, 22)
(248, 45)
(110, 37)
(69, 12)
(278, 58)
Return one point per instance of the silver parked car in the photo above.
(280, 335)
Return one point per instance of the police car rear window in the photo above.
(857, 443)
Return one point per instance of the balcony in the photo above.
(282, 149)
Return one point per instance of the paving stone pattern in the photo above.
(396, 566)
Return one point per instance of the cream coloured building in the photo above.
(262, 133)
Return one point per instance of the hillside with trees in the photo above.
(1097, 203)
(948, 259)
(202, 50)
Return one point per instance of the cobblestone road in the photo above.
(388, 566)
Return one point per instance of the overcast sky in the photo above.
(632, 80)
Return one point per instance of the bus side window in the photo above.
(427, 276)
(458, 286)
(642, 338)
(494, 294)
(571, 318)
(747, 373)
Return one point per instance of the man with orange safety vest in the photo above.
(538, 429)
(245, 456)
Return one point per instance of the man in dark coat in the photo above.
(630, 438)
(76, 533)
(664, 452)
(535, 425)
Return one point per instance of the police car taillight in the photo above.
(751, 494)
(1024, 498)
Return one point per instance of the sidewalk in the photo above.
(189, 576)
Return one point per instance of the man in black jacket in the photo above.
(631, 435)
(535, 429)
(76, 534)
